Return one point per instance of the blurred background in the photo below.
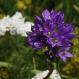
(16, 58)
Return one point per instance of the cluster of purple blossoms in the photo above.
(50, 31)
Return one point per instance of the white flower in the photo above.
(4, 24)
(15, 24)
(17, 19)
(24, 28)
(42, 74)
(55, 75)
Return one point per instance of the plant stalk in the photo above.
(50, 70)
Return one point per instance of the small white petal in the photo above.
(55, 75)
(42, 74)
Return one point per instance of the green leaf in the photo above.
(5, 64)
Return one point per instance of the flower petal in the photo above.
(67, 54)
(59, 18)
(46, 14)
(38, 20)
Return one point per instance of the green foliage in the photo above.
(16, 58)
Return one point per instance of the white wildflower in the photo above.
(24, 28)
(15, 24)
(4, 24)
(42, 74)
(55, 75)
(17, 19)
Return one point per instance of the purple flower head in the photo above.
(52, 32)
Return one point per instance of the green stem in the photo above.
(34, 63)
(50, 69)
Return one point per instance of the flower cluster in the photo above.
(15, 24)
(52, 32)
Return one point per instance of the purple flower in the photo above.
(52, 32)
(37, 41)
(64, 54)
